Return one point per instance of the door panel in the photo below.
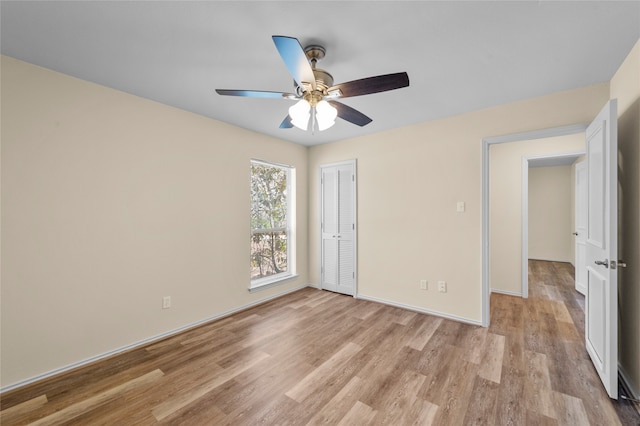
(329, 275)
(330, 268)
(601, 247)
(596, 333)
(581, 267)
(597, 181)
(345, 190)
(346, 225)
(345, 270)
(329, 202)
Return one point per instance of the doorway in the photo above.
(487, 143)
(529, 162)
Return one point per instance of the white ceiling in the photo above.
(460, 56)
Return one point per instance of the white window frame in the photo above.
(290, 273)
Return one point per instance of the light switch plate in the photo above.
(166, 302)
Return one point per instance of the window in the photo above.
(272, 214)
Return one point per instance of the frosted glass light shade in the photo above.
(299, 113)
(325, 115)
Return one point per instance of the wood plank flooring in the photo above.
(314, 357)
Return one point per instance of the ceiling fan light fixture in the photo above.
(325, 115)
(300, 113)
(314, 87)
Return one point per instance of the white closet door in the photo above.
(329, 228)
(339, 227)
(346, 228)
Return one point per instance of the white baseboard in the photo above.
(552, 260)
(507, 292)
(417, 309)
(145, 341)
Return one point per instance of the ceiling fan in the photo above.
(314, 89)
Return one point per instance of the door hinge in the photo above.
(353, 178)
(353, 275)
(353, 226)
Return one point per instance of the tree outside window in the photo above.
(270, 221)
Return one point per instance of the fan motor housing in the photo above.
(324, 80)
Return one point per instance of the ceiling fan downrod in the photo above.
(324, 80)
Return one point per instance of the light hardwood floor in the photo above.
(314, 357)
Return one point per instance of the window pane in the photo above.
(268, 197)
(268, 254)
(269, 221)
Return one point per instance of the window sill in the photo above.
(265, 283)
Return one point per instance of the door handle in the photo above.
(604, 263)
(575, 233)
(620, 264)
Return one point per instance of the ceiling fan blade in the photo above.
(295, 59)
(256, 94)
(351, 115)
(366, 86)
(286, 123)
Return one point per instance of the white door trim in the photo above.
(486, 143)
(580, 232)
(525, 211)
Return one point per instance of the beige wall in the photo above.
(109, 203)
(506, 204)
(625, 86)
(409, 181)
(550, 212)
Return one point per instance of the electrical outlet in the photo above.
(442, 286)
(166, 302)
(423, 284)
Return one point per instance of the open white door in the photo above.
(601, 323)
(581, 228)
